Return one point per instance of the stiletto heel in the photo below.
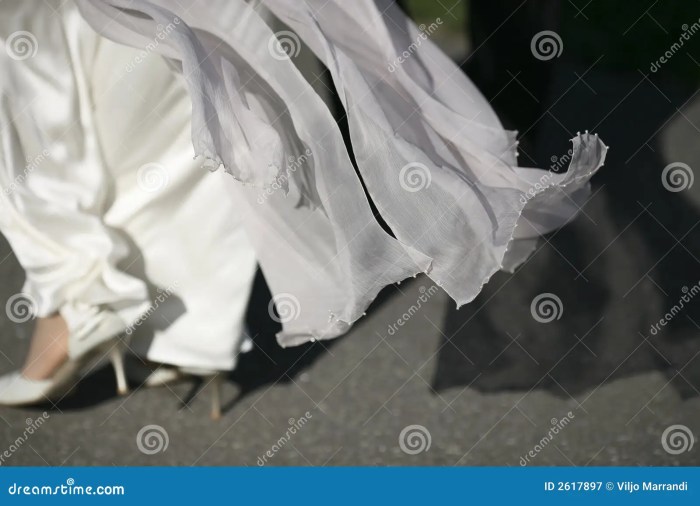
(116, 356)
(98, 336)
(212, 380)
(215, 387)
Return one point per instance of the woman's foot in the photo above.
(48, 349)
(146, 373)
(57, 356)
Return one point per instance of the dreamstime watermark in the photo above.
(21, 45)
(546, 45)
(546, 308)
(414, 177)
(424, 33)
(284, 308)
(558, 162)
(67, 488)
(152, 439)
(425, 294)
(556, 427)
(163, 295)
(688, 295)
(294, 427)
(536, 188)
(283, 45)
(281, 181)
(20, 308)
(688, 32)
(32, 426)
(677, 439)
(415, 439)
(162, 32)
(152, 177)
(677, 176)
(32, 165)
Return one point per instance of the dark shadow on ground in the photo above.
(268, 363)
(619, 268)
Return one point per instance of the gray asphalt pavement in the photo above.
(486, 385)
(360, 393)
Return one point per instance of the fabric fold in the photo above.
(431, 152)
(435, 158)
(53, 181)
(320, 248)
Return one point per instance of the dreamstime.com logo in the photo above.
(21, 45)
(284, 45)
(546, 45)
(20, 308)
(32, 165)
(424, 33)
(677, 439)
(688, 295)
(162, 32)
(677, 177)
(163, 295)
(294, 427)
(282, 180)
(152, 439)
(556, 428)
(415, 439)
(688, 32)
(284, 308)
(414, 177)
(32, 427)
(152, 177)
(67, 488)
(546, 308)
(425, 295)
(558, 162)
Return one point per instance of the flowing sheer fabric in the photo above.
(431, 151)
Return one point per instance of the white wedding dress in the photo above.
(431, 152)
(101, 199)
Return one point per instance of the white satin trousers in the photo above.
(102, 201)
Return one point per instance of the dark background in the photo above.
(485, 381)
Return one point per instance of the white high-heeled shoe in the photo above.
(97, 338)
(149, 374)
(139, 373)
(212, 381)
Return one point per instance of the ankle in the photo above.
(48, 349)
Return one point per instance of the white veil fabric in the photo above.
(430, 150)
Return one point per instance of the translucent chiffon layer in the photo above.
(431, 152)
